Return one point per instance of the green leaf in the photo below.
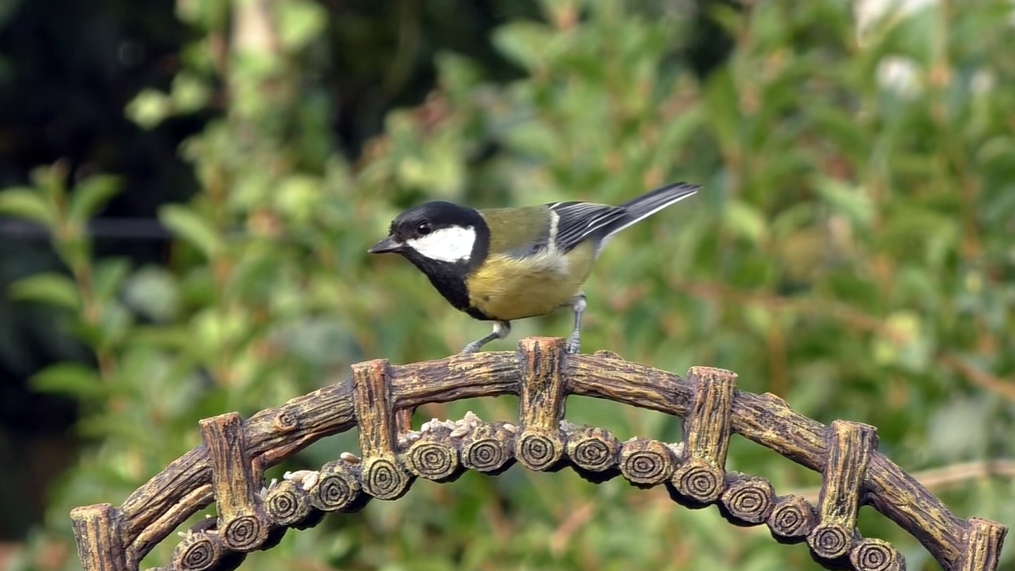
(109, 276)
(745, 220)
(162, 336)
(523, 42)
(459, 74)
(534, 137)
(51, 180)
(90, 195)
(51, 288)
(91, 334)
(722, 112)
(153, 292)
(149, 108)
(904, 342)
(28, 204)
(74, 248)
(299, 22)
(850, 201)
(72, 379)
(189, 93)
(114, 322)
(187, 224)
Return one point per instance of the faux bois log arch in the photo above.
(227, 468)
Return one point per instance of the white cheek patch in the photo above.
(452, 244)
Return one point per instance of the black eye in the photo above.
(423, 228)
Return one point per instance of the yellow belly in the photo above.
(507, 288)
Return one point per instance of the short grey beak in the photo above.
(388, 244)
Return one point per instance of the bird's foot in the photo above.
(573, 343)
(500, 331)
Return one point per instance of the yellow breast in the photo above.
(508, 288)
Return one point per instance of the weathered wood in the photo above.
(699, 480)
(746, 500)
(489, 448)
(403, 419)
(434, 457)
(339, 488)
(850, 446)
(595, 452)
(905, 501)
(382, 475)
(323, 412)
(288, 504)
(540, 445)
(876, 555)
(157, 508)
(792, 519)
(645, 462)
(201, 496)
(99, 537)
(242, 524)
(628, 383)
(983, 541)
(707, 425)
(205, 552)
(767, 420)
(330, 410)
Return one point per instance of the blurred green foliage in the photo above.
(851, 252)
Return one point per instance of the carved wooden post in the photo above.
(289, 505)
(594, 452)
(204, 552)
(850, 445)
(403, 419)
(699, 480)
(983, 540)
(242, 524)
(876, 555)
(489, 447)
(646, 463)
(434, 456)
(792, 519)
(540, 446)
(99, 537)
(747, 500)
(339, 488)
(382, 474)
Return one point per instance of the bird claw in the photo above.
(470, 348)
(573, 343)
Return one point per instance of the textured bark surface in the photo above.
(383, 474)
(242, 525)
(850, 445)
(380, 397)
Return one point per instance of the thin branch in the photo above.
(1003, 387)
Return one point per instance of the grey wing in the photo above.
(578, 221)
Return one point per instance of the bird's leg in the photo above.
(574, 340)
(500, 331)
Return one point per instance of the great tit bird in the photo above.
(509, 263)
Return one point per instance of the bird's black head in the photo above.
(444, 240)
(439, 231)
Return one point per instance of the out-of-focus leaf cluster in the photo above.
(851, 252)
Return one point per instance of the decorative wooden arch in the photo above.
(227, 468)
